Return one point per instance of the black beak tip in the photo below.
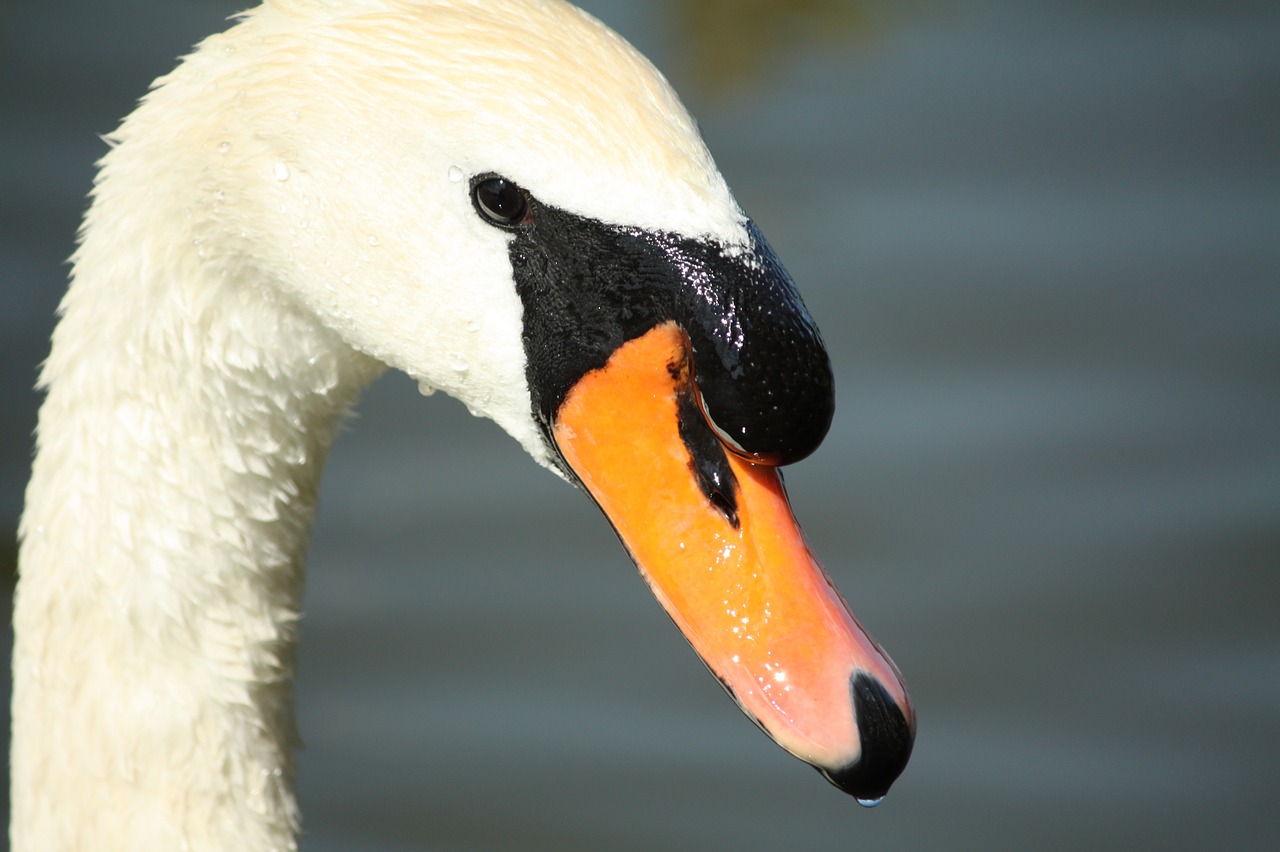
(887, 738)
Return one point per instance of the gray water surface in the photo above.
(1043, 243)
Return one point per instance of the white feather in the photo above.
(283, 215)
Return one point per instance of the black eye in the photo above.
(500, 201)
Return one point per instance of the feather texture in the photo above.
(284, 215)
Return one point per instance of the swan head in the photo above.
(507, 202)
(358, 131)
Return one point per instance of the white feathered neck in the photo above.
(283, 216)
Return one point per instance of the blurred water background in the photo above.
(1043, 242)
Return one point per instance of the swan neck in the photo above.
(188, 413)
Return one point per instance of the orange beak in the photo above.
(731, 567)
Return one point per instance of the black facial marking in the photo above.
(760, 367)
(759, 363)
(886, 740)
(706, 457)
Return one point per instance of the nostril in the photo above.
(707, 459)
(728, 509)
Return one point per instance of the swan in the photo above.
(500, 198)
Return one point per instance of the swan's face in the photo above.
(360, 136)
(508, 203)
